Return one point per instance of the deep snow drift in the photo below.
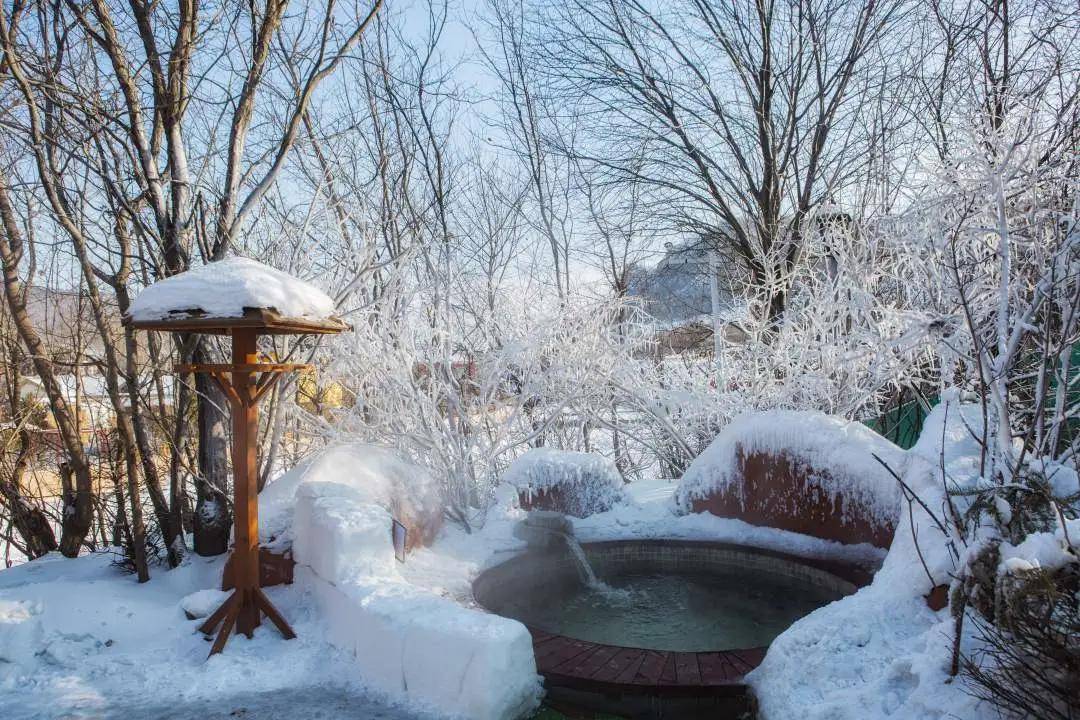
(226, 287)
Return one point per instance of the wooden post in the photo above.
(249, 381)
(245, 422)
(244, 381)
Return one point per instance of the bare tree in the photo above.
(525, 120)
(77, 484)
(25, 515)
(746, 112)
(114, 96)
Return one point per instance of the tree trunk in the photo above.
(28, 519)
(121, 535)
(213, 518)
(179, 507)
(140, 436)
(31, 523)
(77, 512)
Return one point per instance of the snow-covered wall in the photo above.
(406, 640)
(574, 483)
(802, 471)
(411, 643)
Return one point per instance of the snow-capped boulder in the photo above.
(806, 472)
(574, 483)
(882, 652)
(357, 474)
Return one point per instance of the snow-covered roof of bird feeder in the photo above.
(233, 293)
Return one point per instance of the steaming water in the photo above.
(735, 609)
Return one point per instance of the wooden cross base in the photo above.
(243, 610)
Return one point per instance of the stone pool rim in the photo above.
(581, 666)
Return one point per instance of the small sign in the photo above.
(400, 533)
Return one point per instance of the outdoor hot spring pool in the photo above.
(671, 630)
(661, 595)
(729, 607)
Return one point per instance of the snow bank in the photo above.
(80, 638)
(412, 643)
(407, 641)
(20, 632)
(226, 287)
(575, 483)
(882, 652)
(835, 456)
(946, 437)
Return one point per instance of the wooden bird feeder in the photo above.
(244, 381)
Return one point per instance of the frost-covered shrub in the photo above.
(576, 483)
(998, 238)
(1028, 657)
(1020, 591)
(465, 407)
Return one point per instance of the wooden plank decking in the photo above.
(587, 665)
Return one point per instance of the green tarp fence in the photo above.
(903, 423)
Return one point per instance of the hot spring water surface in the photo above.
(676, 612)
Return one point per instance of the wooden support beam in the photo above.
(226, 629)
(266, 383)
(218, 615)
(245, 427)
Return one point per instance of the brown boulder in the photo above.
(777, 490)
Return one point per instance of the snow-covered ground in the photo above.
(379, 639)
(81, 639)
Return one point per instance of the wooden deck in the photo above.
(585, 665)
